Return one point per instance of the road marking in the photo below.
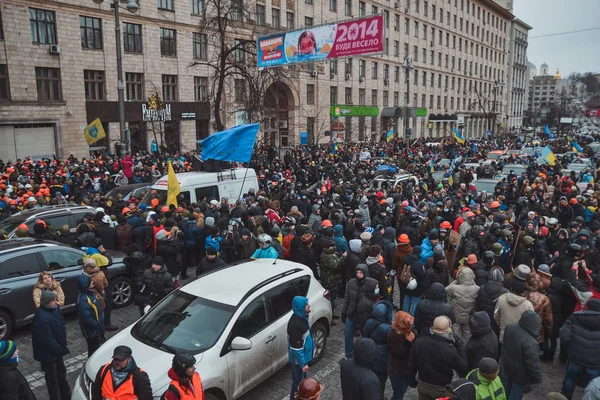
(320, 376)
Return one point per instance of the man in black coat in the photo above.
(359, 382)
(107, 233)
(210, 262)
(435, 357)
(521, 365)
(581, 335)
(431, 307)
(483, 342)
(489, 293)
(135, 382)
(13, 385)
(49, 342)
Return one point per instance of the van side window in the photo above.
(185, 196)
(208, 192)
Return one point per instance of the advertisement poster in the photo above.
(319, 43)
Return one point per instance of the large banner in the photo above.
(319, 43)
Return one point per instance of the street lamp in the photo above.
(132, 7)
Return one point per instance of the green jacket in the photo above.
(487, 390)
(331, 269)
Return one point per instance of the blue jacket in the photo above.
(340, 242)
(191, 234)
(377, 328)
(426, 250)
(48, 335)
(213, 242)
(89, 310)
(269, 252)
(300, 343)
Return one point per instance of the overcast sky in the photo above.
(576, 52)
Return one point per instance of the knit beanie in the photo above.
(209, 221)
(355, 245)
(7, 349)
(47, 297)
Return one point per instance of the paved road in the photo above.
(274, 388)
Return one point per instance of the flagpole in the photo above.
(243, 181)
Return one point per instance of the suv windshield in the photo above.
(180, 323)
(11, 223)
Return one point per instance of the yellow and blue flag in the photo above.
(576, 148)
(94, 132)
(389, 135)
(173, 187)
(548, 132)
(548, 155)
(334, 148)
(458, 137)
(235, 144)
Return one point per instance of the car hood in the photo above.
(154, 362)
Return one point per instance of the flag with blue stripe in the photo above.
(577, 148)
(548, 132)
(458, 137)
(389, 135)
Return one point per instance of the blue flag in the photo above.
(548, 132)
(334, 148)
(548, 155)
(490, 133)
(235, 144)
(389, 135)
(577, 148)
(458, 137)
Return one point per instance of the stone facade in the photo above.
(459, 48)
(518, 75)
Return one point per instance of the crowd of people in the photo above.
(430, 277)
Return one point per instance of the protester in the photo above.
(399, 343)
(358, 380)
(13, 385)
(157, 283)
(300, 343)
(486, 380)
(90, 313)
(462, 296)
(185, 381)
(309, 389)
(121, 378)
(378, 328)
(46, 282)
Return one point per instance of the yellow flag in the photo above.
(94, 132)
(173, 187)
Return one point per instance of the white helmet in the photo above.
(265, 239)
(412, 284)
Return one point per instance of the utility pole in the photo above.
(408, 66)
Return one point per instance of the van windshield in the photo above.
(161, 195)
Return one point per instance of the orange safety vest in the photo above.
(194, 393)
(125, 391)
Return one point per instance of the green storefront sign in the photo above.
(354, 111)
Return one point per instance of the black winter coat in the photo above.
(581, 332)
(48, 334)
(399, 353)
(482, 273)
(108, 236)
(306, 255)
(158, 284)
(435, 358)
(521, 349)
(13, 384)
(207, 265)
(360, 298)
(431, 307)
(486, 300)
(359, 382)
(377, 328)
(483, 343)
(555, 294)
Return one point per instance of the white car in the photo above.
(234, 320)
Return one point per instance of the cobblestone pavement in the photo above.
(275, 388)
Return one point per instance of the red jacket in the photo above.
(127, 166)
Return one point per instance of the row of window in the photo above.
(48, 82)
(362, 93)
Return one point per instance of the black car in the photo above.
(68, 214)
(22, 260)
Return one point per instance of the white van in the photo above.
(196, 186)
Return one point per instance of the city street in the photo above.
(275, 388)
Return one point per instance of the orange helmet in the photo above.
(13, 203)
(164, 209)
(445, 225)
(154, 202)
(125, 211)
(403, 238)
(327, 224)
(495, 204)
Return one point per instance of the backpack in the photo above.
(405, 275)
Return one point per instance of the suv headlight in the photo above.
(86, 383)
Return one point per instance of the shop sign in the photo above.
(150, 114)
(354, 111)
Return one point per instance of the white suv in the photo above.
(234, 320)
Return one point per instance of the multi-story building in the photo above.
(518, 74)
(546, 91)
(58, 72)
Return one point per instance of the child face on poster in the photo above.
(307, 43)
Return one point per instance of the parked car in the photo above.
(234, 320)
(68, 214)
(487, 184)
(138, 190)
(22, 260)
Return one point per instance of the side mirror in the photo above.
(240, 343)
(80, 261)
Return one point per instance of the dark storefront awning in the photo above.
(433, 117)
(391, 112)
(443, 117)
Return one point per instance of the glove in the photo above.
(344, 318)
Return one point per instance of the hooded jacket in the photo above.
(486, 389)
(331, 269)
(377, 328)
(89, 309)
(363, 208)
(486, 300)
(581, 332)
(483, 342)
(358, 380)
(509, 309)
(360, 297)
(54, 287)
(400, 253)
(341, 246)
(462, 294)
(541, 305)
(521, 349)
(158, 284)
(300, 343)
(389, 246)
(426, 250)
(431, 307)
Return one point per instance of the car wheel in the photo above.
(210, 396)
(319, 337)
(6, 325)
(122, 292)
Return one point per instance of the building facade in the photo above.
(518, 75)
(58, 72)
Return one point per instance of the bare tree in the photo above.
(322, 123)
(231, 35)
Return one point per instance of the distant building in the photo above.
(518, 74)
(544, 69)
(532, 70)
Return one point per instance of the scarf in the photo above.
(120, 376)
(402, 324)
(372, 260)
